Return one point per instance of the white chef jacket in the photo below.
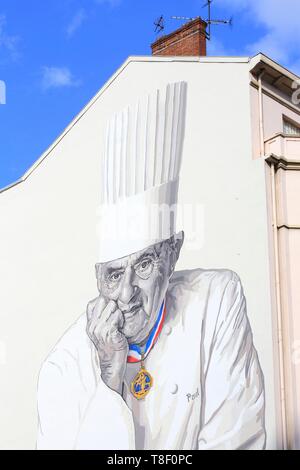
(208, 389)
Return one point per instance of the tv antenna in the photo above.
(159, 24)
(184, 18)
(209, 20)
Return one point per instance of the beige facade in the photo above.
(275, 102)
(241, 175)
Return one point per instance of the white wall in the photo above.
(48, 236)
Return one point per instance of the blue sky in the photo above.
(56, 54)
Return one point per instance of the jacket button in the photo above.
(174, 389)
(167, 330)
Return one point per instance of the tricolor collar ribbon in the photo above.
(135, 351)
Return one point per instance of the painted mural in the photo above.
(161, 359)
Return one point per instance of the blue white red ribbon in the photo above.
(135, 351)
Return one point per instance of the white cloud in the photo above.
(280, 21)
(7, 41)
(75, 23)
(58, 77)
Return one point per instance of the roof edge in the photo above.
(263, 58)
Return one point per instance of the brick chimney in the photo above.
(188, 40)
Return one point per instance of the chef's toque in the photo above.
(140, 173)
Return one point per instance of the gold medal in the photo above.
(142, 382)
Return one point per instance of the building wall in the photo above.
(274, 110)
(255, 133)
(48, 224)
(276, 107)
(288, 229)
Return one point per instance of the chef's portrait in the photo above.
(162, 358)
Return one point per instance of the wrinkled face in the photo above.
(138, 284)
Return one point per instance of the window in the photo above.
(290, 128)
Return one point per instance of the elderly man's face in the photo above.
(138, 284)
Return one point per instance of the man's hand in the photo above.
(104, 321)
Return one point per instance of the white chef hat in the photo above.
(140, 171)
